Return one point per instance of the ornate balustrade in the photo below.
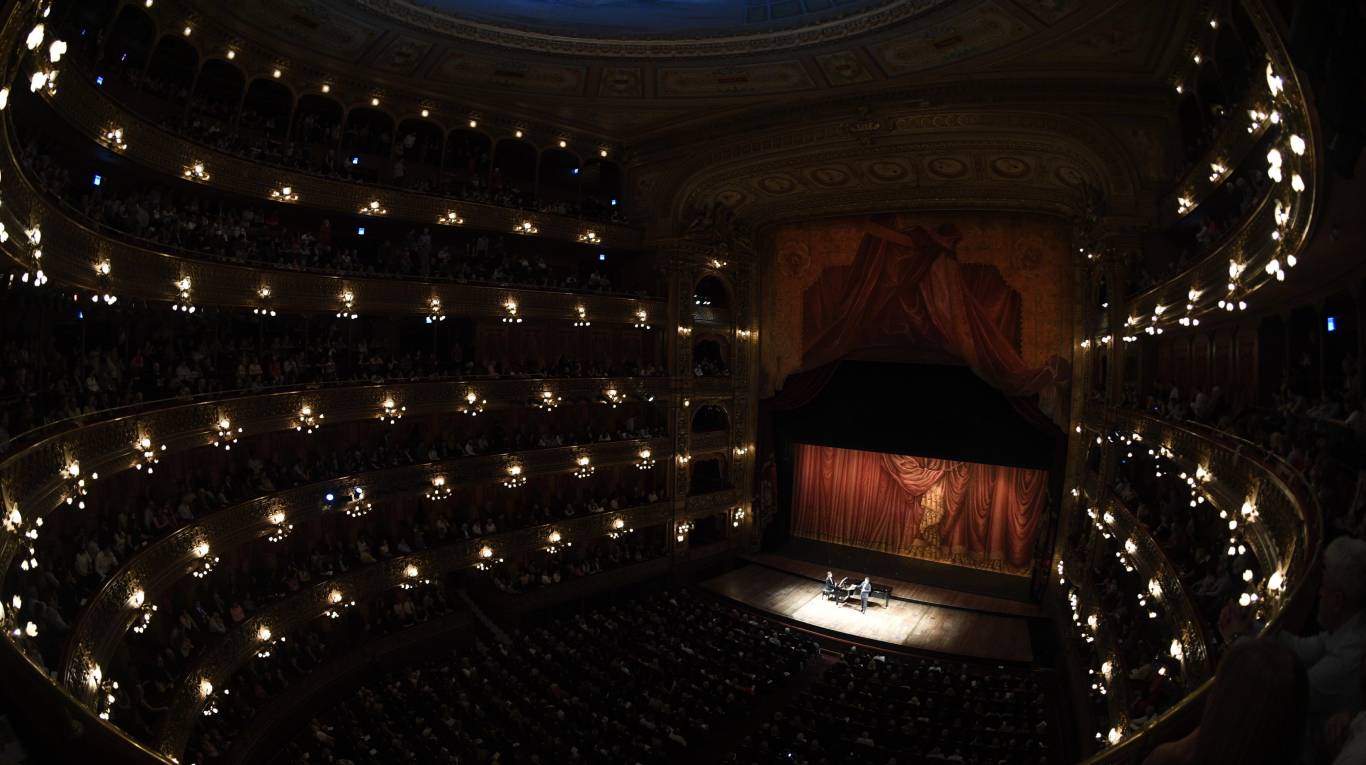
(152, 571)
(1155, 568)
(1237, 136)
(91, 111)
(33, 484)
(241, 644)
(71, 253)
(704, 505)
(1277, 524)
(1272, 237)
(708, 443)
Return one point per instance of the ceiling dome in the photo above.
(652, 26)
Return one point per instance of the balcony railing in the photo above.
(90, 110)
(240, 645)
(104, 623)
(1279, 524)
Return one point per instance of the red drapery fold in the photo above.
(906, 293)
(961, 512)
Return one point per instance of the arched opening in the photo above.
(89, 18)
(467, 161)
(557, 183)
(317, 125)
(706, 476)
(710, 292)
(266, 110)
(710, 418)
(130, 40)
(514, 173)
(365, 142)
(601, 190)
(419, 154)
(171, 68)
(217, 92)
(709, 358)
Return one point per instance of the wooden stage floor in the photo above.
(921, 626)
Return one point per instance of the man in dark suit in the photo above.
(828, 588)
(863, 590)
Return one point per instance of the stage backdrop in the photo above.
(983, 516)
(992, 291)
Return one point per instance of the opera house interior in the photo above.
(525, 382)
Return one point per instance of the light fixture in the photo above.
(645, 459)
(473, 405)
(510, 307)
(326, 88)
(281, 529)
(76, 487)
(682, 530)
(263, 295)
(602, 153)
(147, 454)
(374, 101)
(450, 218)
(373, 208)
(547, 401)
(231, 54)
(585, 466)
(426, 113)
(563, 143)
(737, 517)
(224, 434)
(525, 227)
(284, 194)
(390, 411)
(581, 316)
(556, 542)
(619, 528)
(276, 73)
(348, 309)
(642, 319)
(195, 172)
(187, 31)
(206, 562)
(434, 313)
(308, 420)
(613, 397)
(440, 490)
(518, 133)
(514, 477)
(589, 236)
(112, 137)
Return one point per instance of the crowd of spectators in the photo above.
(883, 710)
(262, 681)
(84, 548)
(646, 680)
(65, 362)
(204, 224)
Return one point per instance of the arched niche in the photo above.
(601, 188)
(559, 176)
(419, 142)
(711, 292)
(172, 67)
(706, 475)
(267, 108)
(514, 170)
(710, 418)
(468, 153)
(218, 90)
(710, 358)
(130, 40)
(317, 120)
(367, 132)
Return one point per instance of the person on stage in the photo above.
(828, 588)
(863, 590)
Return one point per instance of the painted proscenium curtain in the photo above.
(966, 512)
(907, 295)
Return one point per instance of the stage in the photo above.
(934, 620)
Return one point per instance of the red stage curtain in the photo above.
(944, 509)
(906, 295)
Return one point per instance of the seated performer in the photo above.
(863, 590)
(828, 588)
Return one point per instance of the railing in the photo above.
(32, 483)
(90, 110)
(1265, 247)
(240, 645)
(1283, 533)
(154, 570)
